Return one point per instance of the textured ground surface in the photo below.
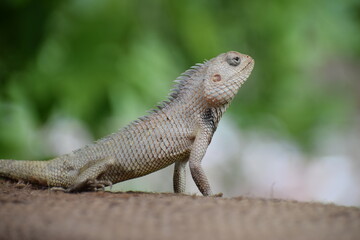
(29, 213)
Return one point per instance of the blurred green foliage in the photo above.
(106, 62)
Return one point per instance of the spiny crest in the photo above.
(181, 83)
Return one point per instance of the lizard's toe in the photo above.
(60, 189)
(99, 185)
(217, 195)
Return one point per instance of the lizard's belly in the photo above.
(140, 158)
(147, 147)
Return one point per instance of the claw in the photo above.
(99, 185)
(217, 195)
(60, 189)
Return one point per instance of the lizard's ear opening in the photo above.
(216, 78)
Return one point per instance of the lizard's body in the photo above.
(179, 131)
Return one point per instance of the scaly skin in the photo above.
(178, 131)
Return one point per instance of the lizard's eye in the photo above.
(234, 61)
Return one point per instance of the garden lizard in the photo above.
(178, 131)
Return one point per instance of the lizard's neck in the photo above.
(191, 103)
(187, 94)
(187, 97)
(187, 101)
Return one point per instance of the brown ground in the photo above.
(29, 213)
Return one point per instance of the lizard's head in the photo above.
(225, 75)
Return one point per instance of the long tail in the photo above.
(28, 171)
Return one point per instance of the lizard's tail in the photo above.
(28, 171)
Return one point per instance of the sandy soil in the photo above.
(30, 213)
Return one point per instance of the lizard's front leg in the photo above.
(179, 179)
(197, 153)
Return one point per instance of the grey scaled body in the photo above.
(178, 131)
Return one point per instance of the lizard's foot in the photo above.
(20, 184)
(217, 195)
(89, 185)
(99, 185)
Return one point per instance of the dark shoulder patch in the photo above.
(209, 118)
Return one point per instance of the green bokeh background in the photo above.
(107, 62)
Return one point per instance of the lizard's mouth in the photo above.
(244, 72)
(251, 63)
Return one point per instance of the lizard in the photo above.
(178, 131)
